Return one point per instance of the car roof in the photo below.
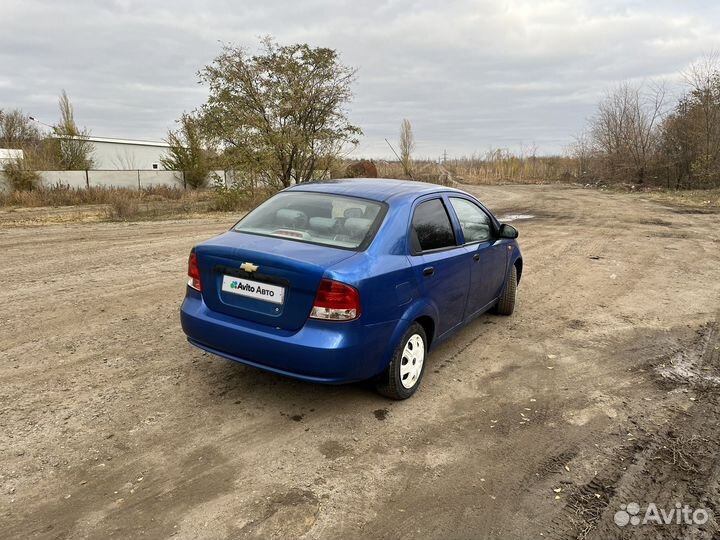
(378, 189)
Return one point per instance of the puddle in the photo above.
(515, 217)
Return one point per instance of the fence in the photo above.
(133, 179)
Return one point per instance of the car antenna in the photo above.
(400, 160)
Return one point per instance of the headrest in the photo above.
(353, 212)
(357, 226)
(290, 218)
(322, 224)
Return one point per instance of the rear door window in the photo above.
(431, 228)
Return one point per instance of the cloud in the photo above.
(469, 74)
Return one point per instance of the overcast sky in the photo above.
(467, 74)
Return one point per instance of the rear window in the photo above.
(431, 228)
(319, 218)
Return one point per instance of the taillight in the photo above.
(194, 272)
(336, 301)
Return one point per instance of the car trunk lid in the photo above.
(263, 279)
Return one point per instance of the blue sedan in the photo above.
(349, 280)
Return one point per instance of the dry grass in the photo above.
(690, 198)
(708, 198)
(123, 204)
(118, 203)
(67, 196)
(496, 167)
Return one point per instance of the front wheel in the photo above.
(506, 304)
(402, 377)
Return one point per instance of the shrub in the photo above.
(19, 177)
(242, 194)
(123, 208)
(227, 198)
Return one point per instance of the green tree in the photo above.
(73, 151)
(280, 111)
(187, 153)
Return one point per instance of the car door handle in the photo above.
(429, 271)
(476, 257)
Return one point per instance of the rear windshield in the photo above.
(319, 218)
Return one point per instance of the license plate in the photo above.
(253, 289)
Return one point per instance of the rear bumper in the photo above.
(321, 351)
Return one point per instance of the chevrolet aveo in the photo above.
(348, 280)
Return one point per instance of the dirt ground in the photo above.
(602, 390)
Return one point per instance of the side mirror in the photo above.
(508, 231)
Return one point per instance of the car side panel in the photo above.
(515, 254)
(421, 307)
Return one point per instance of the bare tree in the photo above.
(624, 130)
(17, 130)
(73, 150)
(407, 146)
(703, 106)
(581, 151)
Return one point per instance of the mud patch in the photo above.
(576, 324)
(693, 211)
(655, 221)
(333, 450)
(670, 466)
(288, 514)
(697, 366)
(586, 504)
(555, 464)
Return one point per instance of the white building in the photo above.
(127, 154)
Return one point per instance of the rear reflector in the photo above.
(336, 301)
(194, 272)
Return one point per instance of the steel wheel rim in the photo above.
(411, 361)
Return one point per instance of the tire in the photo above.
(506, 304)
(402, 377)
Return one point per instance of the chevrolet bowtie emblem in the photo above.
(248, 267)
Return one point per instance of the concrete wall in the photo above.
(125, 179)
(66, 178)
(9, 154)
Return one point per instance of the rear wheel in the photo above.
(506, 304)
(402, 377)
